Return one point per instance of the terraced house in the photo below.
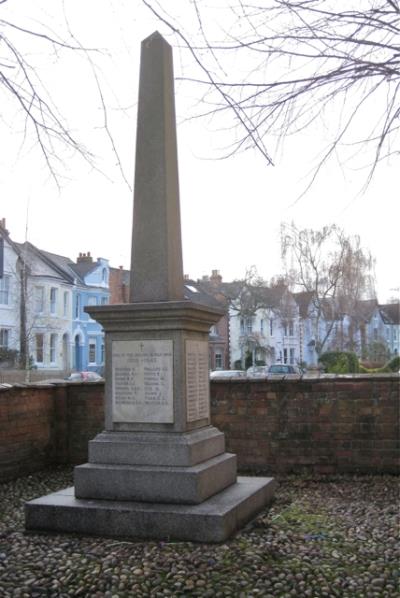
(270, 324)
(42, 300)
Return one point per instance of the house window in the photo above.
(213, 331)
(5, 290)
(394, 334)
(104, 300)
(375, 333)
(291, 356)
(39, 345)
(241, 326)
(65, 303)
(53, 343)
(92, 350)
(288, 328)
(218, 361)
(102, 353)
(77, 306)
(104, 275)
(53, 300)
(388, 333)
(4, 338)
(285, 356)
(262, 326)
(39, 300)
(271, 326)
(249, 325)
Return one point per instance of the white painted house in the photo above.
(48, 301)
(264, 323)
(9, 292)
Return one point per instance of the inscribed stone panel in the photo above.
(142, 381)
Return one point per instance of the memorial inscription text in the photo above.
(142, 375)
(197, 380)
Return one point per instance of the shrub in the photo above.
(394, 364)
(339, 362)
(391, 366)
(377, 351)
(248, 360)
(8, 357)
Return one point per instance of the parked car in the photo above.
(85, 377)
(284, 368)
(257, 371)
(227, 374)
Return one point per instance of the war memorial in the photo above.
(159, 469)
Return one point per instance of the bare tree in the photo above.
(34, 115)
(278, 67)
(334, 269)
(355, 287)
(249, 297)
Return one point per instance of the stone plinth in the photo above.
(214, 520)
(155, 479)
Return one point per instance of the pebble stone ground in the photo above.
(333, 536)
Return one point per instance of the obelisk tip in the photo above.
(155, 36)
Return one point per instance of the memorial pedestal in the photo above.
(159, 460)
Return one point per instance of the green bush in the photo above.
(394, 364)
(8, 355)
(339, 362)
(248, 360)
(391, 366)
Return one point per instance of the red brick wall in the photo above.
(26, 430)
(40, 426)
(322, 425)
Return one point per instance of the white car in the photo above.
(227, 374)
(284, 368)
(85, 377)
(257, 371)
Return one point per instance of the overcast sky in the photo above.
(231, 209)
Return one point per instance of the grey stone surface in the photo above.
(156, 265)
(187, 485)
(177, 321)
(152, 448)
(214, 520)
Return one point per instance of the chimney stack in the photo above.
(3, 225)
(215, 278)
(84, 258)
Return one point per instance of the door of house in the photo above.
(65, 353)
(78, 355)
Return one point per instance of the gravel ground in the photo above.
(333, 536)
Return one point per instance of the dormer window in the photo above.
(104, 275)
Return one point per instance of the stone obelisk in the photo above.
(159, 469)
(156, 265)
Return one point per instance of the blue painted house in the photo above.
(92, 288)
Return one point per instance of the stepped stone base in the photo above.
(152, 448)
(214, 520)
(188, 485)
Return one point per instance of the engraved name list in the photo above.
(142, 376)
